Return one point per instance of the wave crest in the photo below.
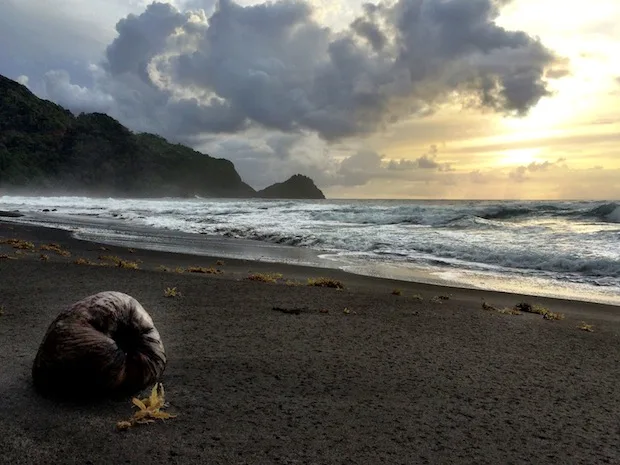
(296, 240)
(609, 212)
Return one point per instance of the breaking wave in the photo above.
(609, 212)
(563, 241)
(295, 240)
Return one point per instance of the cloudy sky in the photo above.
(451, 99)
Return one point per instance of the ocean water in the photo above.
(550, 248)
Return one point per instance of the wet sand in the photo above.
(393, 380)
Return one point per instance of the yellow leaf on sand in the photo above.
(149, 409)
(138, 403)
(156, 400)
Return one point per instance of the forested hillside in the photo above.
(43, 147)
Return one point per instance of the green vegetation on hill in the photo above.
(45, 148)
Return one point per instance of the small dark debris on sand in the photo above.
(291, 311)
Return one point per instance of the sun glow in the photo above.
(519, 157)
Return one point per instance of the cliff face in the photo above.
(43, 147)
(296, 187)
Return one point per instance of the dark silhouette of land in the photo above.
(44, 148)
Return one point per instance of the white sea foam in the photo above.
(563, 242)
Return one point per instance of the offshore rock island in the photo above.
(296, 187)
(45, 149)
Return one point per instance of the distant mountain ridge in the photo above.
(44, 148)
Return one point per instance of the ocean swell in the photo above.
(609, 212)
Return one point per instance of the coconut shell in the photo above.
(103, 345)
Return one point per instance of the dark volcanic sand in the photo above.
(396, 381)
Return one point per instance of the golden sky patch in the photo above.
(578, 124)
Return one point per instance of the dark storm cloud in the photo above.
(31, 42)
(428, 161)
(140, 38)
(282, 144)
(519, 174)
(364, 165)
(359, 168)
(370, 32)
(274, 66)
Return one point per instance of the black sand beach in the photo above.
(393, 379)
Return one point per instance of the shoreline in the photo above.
(240, 268)
(123, 235)
(358, 375)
